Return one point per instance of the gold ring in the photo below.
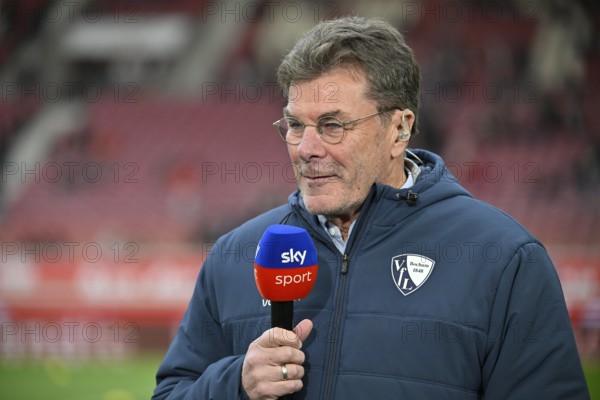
(284, 372)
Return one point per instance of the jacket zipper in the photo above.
(332, 363)
(345, 259)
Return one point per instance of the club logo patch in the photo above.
(410, 271)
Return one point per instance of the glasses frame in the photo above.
(344, 125)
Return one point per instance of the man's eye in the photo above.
(331, 125)
(295, 125)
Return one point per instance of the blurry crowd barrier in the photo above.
(106, 310)
(87, 309)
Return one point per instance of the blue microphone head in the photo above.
(285, 266)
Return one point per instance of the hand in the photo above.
(262, 375)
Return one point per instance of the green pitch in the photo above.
(592, 375)
(131, 379)
(53, 378)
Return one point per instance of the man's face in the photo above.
(335, 178)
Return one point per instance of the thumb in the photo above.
(303, 329)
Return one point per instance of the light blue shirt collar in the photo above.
(412, 171)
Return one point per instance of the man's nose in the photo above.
(311, 144)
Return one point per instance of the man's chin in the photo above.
(332, 206)
(317, 206)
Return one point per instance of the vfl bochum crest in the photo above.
(410, 271)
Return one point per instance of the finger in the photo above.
(292, 371)
(276, 337)
(256, 372)
(303, 329)
(289, 379)
(284, 355)
(259, 353)
(284, 388)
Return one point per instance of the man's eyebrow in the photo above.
(332, 113)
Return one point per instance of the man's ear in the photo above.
(406, 122)
(403, 127)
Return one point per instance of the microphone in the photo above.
(285, 269)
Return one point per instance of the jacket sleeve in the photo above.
(531, 352)
(199, 363)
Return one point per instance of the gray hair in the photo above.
(371, 44)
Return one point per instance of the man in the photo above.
(390, 315)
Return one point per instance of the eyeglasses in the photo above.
(330, 129)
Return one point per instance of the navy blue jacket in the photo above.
(439, 296)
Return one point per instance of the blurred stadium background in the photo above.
(134, 133)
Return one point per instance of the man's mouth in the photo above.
(318, 174)
(319, 179)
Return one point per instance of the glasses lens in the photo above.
(290, 130)
(331, 129)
